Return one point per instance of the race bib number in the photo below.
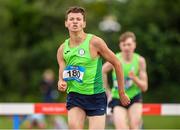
(115, 83)
(73, 73)
(128, 82)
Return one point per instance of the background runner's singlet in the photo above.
(131, 88)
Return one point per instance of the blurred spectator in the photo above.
(48, 88)
(49, 95)
(36, 121)
(59, 123)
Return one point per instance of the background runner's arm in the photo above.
(142, 80)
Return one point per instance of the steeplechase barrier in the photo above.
(17, 109)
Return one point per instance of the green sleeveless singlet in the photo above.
(131, 88)
(83, 71)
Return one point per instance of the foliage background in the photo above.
(32, 30)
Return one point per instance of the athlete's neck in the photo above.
(127, 57)
(77, 38)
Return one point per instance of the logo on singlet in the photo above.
(67, 51)
(81, 52)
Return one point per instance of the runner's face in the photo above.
(75, 22)
(128, 46)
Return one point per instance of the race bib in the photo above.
(73, 73)
(115, 83)
(128, 82)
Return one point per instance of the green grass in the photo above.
(150, 122)
(161, 122)
(157, 122)
(6, 122)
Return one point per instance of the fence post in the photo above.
(16, 122)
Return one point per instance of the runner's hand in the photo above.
(62, 85)
(124, 99)
(132, 75)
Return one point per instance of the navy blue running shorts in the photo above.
(93, 105)
(116, 102)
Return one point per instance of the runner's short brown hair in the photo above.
(76, 9)
(126, 35)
